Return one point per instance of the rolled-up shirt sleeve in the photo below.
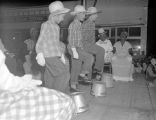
(72, 35)
(75, 37)
(42, 37)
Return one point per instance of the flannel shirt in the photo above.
(75, 31)
(49, 40)
(88, 32)
(36, 104)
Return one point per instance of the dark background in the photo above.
(151, 30)
(25, 3)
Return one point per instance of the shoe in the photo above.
(74, 90)
(151, 85)
(97, 76)
(73, 86)
(85, 82)
(88, 81)
(82, 78)
(97, 71)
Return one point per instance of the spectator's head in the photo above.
(33, 33)
(102, 34)
(153, 60)
(79, 12)
(123, 35)
(57, 11)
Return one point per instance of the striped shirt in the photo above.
(88, 32)
(48, 42)
(75, 31)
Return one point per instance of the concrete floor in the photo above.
(125, 101)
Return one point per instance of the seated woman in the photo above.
(105, 43)
(22, 98)
(151, 72)
(122, 66)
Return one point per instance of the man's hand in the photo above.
(63, 59)
(75, 54)
(40, 59)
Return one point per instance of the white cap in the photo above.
(101, 31)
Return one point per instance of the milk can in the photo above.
(80, 102)
(98, 89)
(107, 79)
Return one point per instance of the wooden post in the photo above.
(84, 3)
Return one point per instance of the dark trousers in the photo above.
(99, 55)
(56, 74)
(76, 64)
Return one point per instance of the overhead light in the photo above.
(139, 47)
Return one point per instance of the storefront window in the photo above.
(135, 43)
(134, 31)
(112, 32)
(107, 32)
(119, 30)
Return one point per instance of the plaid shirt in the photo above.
(48, 42)
(36, 104)
(88, 32)
(75, 37)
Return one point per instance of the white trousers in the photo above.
(122, 68)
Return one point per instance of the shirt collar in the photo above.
(103, 41)
(77, 21)
(51, 22)
(121, 43)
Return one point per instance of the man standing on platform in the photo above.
(49, 52)
(89, 40)
(76, 48)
